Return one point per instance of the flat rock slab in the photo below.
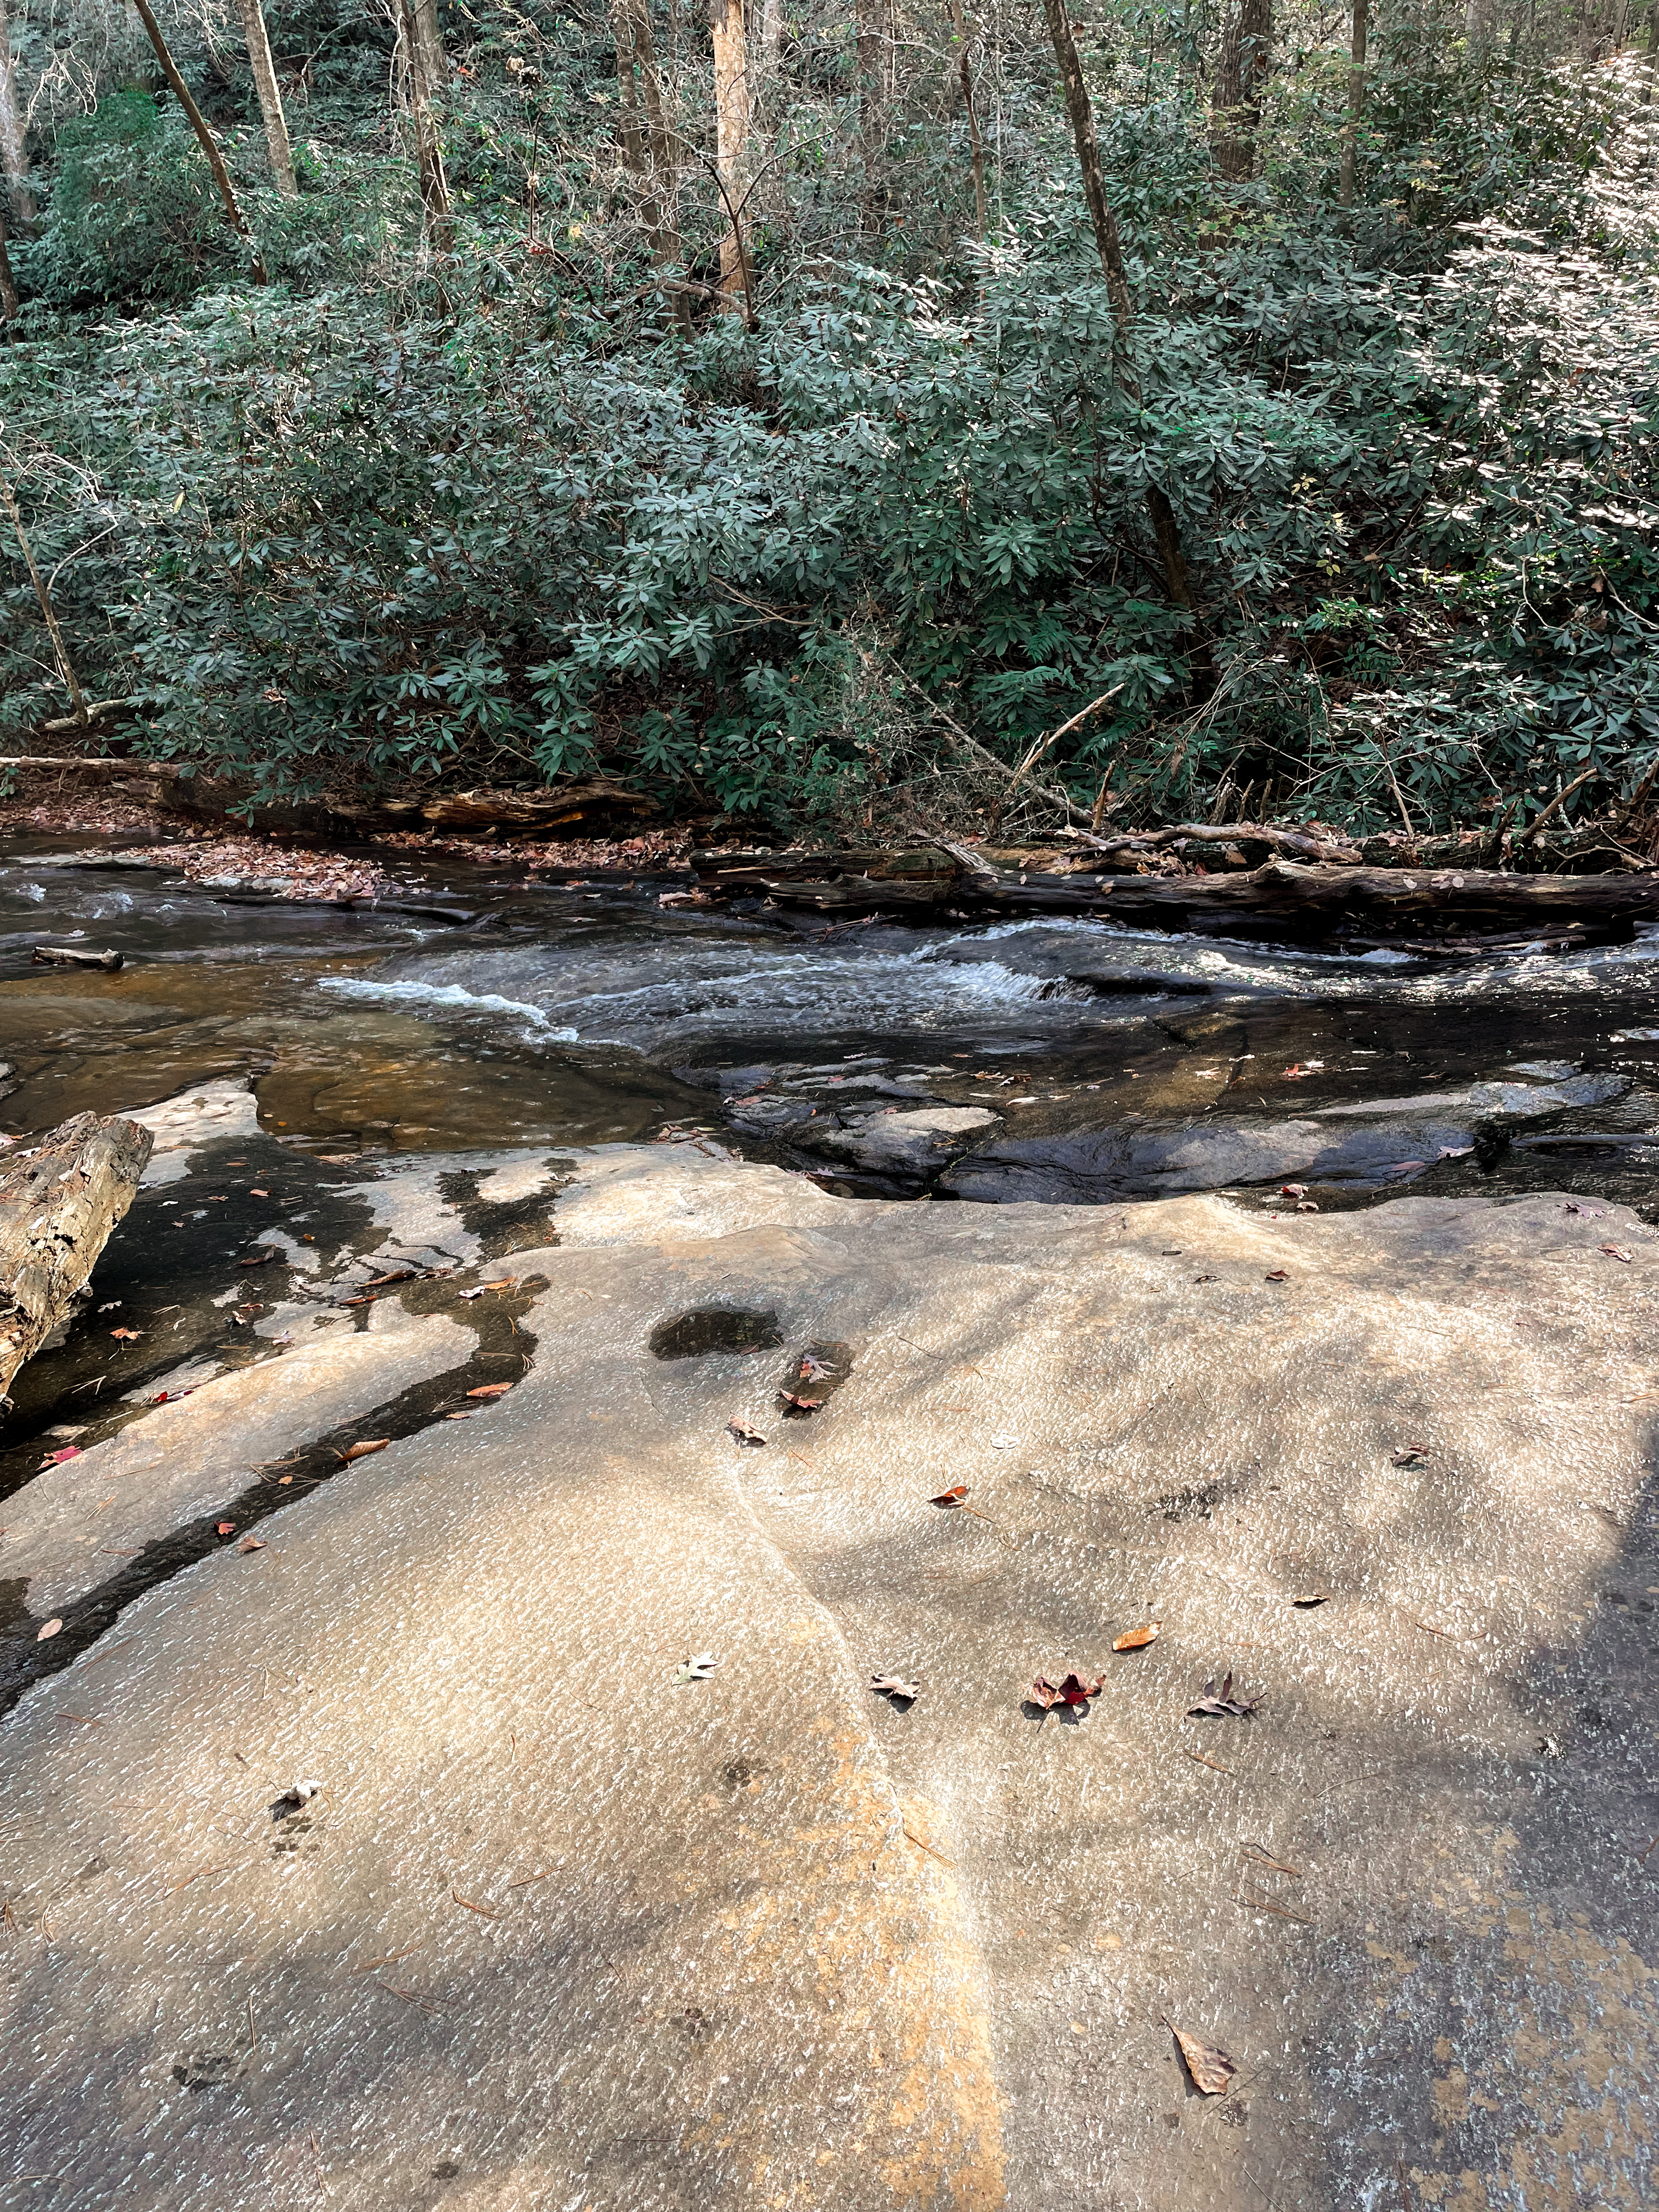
(560, 1931)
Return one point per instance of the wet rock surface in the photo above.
(561, 1927)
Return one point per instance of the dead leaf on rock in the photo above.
(798, 1404)
(227, 1528)
(361, 1449)
(1073, 1691)
(1280, 1275)
(489, 1390)
(56, 1458)
(1134, 1639)
(1210, 2068)
(697, 1668)
(1314, 1597)
(891, 1686)
(812, 1368)
(742, 1433)
(1613, 1251)
(251, 1544)
(1293, 1190)
(46, 1628)
(1222, 1704)
(1409, 1454)
(950, 1496)
(127, 1335)
(259, 1260)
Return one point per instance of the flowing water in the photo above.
(1096, 1062)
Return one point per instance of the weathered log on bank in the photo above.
(1391, 904)
(59, 1204)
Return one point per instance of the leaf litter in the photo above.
(1223, 1704)
(741, 1433)
(896, 1689)
(1136, 1639)
(1073, 1692)
(697, 1668)
(1210, 2068)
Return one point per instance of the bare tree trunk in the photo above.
(731, 131)
(1241, 71)
(771, 33)
(664, 213)
(7, 498)
(1110, 247)
(8, 282)
(270, 99)
(59, 1203)
(205, 138)
(435, 215)
(14, 153)
(868, 26)
(976, 143)
(429, 48)
(1356, 101)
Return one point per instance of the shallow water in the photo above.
(551, 1016)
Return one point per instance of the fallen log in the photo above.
(59, 1203)
(1397, 906)
(68, 955)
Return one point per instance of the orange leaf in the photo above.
(362, 1450)
(1133, 1638)
(489, 1390)
(950, 1496)
(227, 1528)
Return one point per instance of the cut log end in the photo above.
(59, 1202)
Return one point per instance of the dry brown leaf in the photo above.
(798, 1404)
(895, 1687)
(257, 1193)
(1617, 1252)
(362, 1450)
(46, 1628)
(1210, 2068)
(950, 1496)
(489, 1390)
(251, 1544)
(1314, 1597)
(743, 1433)
(1224, 1703)
(127, 1335)
(1409, 1454)
(1133, 1639)
(1279, 1275)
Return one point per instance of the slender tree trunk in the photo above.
(976, 143)
(1166, 528)
(205, 138)
(429, 48)
(1356, 101)
(14, 153)
(435, 215)
(731, 131)
(1241, 71)
(771, 33)
(8, 282)
(271, 99)
(659, 146)
(868, 17)
(7, 498)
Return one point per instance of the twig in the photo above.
(391, 1958)
(1203, 1761)
(524, 1879)
(1559, 801)
(252, 2031)
(485, 1912)
(913, 1838)
(1266, 1905)
(409, 1997)
(1278, 1865)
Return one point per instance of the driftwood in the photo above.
(1485, 908)
(59, 1204)
(64, 955)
